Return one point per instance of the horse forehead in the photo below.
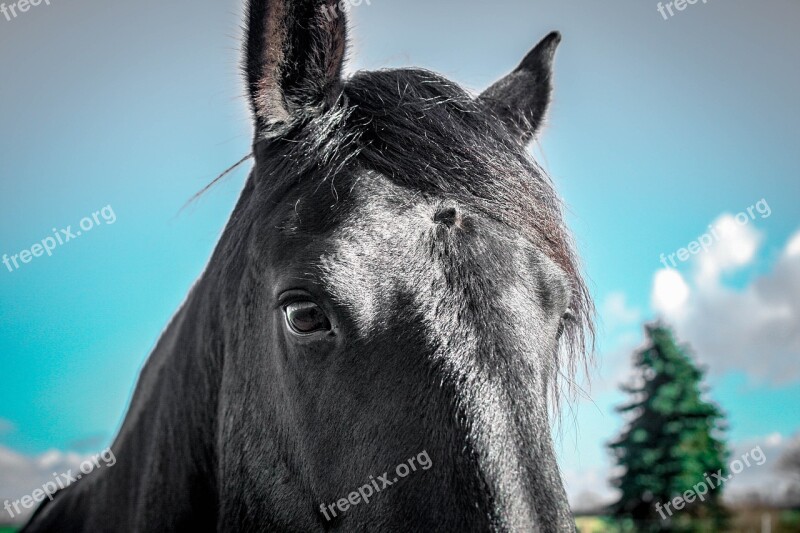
(432, 254)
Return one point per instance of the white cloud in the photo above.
(21, 474)
(775, 439)
(737, 247)
(670, 292)
(793, 248)
(767, 480)
(588, 489)
(755, 329)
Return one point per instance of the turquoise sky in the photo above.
(658, 128)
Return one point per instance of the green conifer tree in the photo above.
(673, 439)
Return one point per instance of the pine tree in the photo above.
(673, 439)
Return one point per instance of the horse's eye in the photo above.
(565, 318)
(306, 317)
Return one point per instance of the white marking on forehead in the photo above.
(359, 272)
(387, 250)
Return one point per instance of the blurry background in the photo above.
(659, 128)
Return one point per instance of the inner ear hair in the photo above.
(294, 55)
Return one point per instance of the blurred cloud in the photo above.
(767, 480)
(617, 313)
(793, 248)
(753, 329)
(588, 489)
(21, 474)
(736, 248)
(670, 292)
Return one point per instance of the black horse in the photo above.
(396, 286)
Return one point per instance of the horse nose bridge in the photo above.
(496, 379)
(504, 439)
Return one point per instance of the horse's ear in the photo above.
(521, 99)
(294, 53)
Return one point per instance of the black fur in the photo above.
(413, 216)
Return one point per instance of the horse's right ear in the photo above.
(294, 53)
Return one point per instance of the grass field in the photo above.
(743, 520)
(7, 529)
(592, 524)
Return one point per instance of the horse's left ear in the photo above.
(294, 53)
(521, 99)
